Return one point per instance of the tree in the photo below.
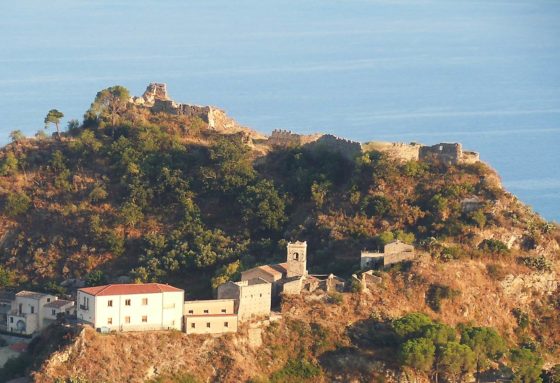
(411, 325)
(457, 360)
(526, 366)
(418, 353)
(110, 103)
(17, 204)
(226, 273)
(95, 278)
(130, 215)
(261, 206)
(6, 277)
(486, 344)
(17, 136)
(9, 165)
(53, 117)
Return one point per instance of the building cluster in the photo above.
(156, 306)
(27, 312)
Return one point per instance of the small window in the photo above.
(127, 302)
(226, 324)
(260, 295)
(193, 325)
(48, 300)
(173, 323)
(144, 301)
(223, 310)
(126, 319)
(208, 324)
(110, 303)
(144, 318)
(32, 309)
(109, 320)
(190, 311)
(11, 319)
(53, 311)
(205, 311)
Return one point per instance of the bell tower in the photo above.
(297, 259)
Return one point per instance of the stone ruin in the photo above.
(448, 153)
(287, 139)
(157, 100)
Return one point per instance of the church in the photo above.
(287, 277)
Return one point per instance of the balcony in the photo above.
(84, 307)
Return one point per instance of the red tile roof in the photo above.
(128, 289)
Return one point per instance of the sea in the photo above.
(483, 73)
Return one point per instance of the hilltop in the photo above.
(148, 189)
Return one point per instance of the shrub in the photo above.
(494, 246)
(17, 204)
(436, 293)
(536, 263)
(295, 370)
(8, 165)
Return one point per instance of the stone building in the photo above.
(215, 316)
(393, 252)
(252, 298)
(131, 307)
(285, 277)
(449, 153)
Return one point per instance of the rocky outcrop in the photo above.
(524, 286)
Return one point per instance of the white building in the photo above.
(28, 312)
(131, 307)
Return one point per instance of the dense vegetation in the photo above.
(157, 197)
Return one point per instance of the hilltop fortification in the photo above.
(157, 100)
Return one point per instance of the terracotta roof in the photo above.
(59, 303)
(128, 289)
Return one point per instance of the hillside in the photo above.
(152, 190)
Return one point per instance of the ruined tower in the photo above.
(297, 259)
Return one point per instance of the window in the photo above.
(144, 318)
(109, 320)
(205, 311)
(190, 311)
(127, 302)
(110, 303)
(126, 319)
(144, 301)
(193, 325)
(260, 295)
(226, 324)
(48, 300)
(173, 323)
(53, 311)
(223, 310)
(208, 324)
(32, 309)
(11, 319)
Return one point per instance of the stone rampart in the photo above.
(396, 150)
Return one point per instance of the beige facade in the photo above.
(131, 307)
(215, 316)
(252, 298)
(370, 259)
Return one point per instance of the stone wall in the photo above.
(396, 150)
(286, 139)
